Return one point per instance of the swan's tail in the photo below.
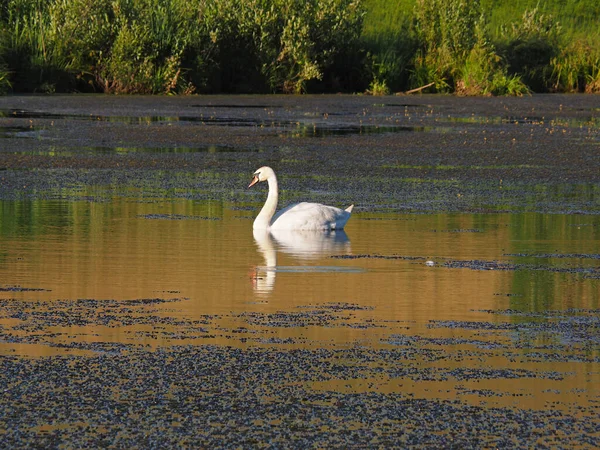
(349, 208)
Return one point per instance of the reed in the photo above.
(481, 47)
(177, 46)
(576, 69)
(531, 45)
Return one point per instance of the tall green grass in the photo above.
(578, 19)
(553, 45)
(469, 47)
(538, 45)
(177, 46)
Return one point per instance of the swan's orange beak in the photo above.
(254, 181)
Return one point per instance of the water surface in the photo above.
(463, 293)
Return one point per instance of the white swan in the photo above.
(301, 216)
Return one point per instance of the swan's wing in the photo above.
(310, 216)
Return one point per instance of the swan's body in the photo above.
(301, 216)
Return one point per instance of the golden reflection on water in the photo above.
(227, 285)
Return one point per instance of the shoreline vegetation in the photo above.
(465, 47)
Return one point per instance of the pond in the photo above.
(458, 307)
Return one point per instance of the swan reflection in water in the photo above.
(302, 245)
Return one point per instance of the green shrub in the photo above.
(164, 46)
(378, 88)
(576, 69)
(484, 74)
(150, 38)
(529, 46)
(447, 31)
(455, 52)
(5, 85)
(182, 46)
(28, 48)
(313, 35)
(389, 42)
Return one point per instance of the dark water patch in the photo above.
(314, 269)
(92, 151)
(339, 307)
(387, 218)
(176, 217)
(548, 124)
(321, 316)
(375, 256)
(586, 272)
(237, 106)
(222, 397)
(134, 120)
(234, 121)
(531, 120)
(130, 120)
(443, 167)
(471, 325)
(287, 320)
(242, 208)
(553, 354)
(482, 265)
(320, 131)
(411, 340)
(24, 114)
(465, 374)
(557, 323)
(381, 195)
(152, 301)
(22, 289)
(403, 105)
(296, 128)
(563, 332)
(109, 348)
(199, 333)
(19, 132)
(275, 341)
(570, 313)
(38, 316)
(556, 255)
(458, 230)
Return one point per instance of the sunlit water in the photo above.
(478, 289)
(459, 308)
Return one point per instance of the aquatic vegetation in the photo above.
(378, 88)
(135, 298)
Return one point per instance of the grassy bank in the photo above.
(177, 46)
(544, 46)
(485, 47)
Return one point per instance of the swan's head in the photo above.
(262, 174)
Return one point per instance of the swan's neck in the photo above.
(263, 220)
